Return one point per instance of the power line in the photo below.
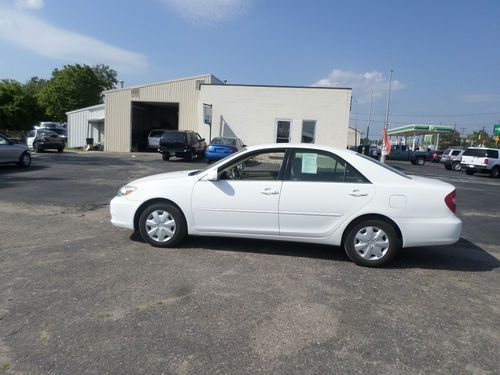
(436, 115)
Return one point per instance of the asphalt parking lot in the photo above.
(78, 295)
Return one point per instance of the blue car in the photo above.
(220, 147)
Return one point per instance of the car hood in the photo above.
(162, 177)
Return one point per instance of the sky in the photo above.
(445, 54)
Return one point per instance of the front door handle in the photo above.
(269, 191)
(357, 193)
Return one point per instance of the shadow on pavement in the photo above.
(464, 256)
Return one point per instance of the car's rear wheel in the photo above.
(456, 166)
(25, 160)
(162, 225)
(372, 243)
(165, 157)
(37, 147)
(470, 172)
(420, 161)
(495, 172)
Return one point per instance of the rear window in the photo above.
(174, 137)
(388, 167)
(156, 133)
(224, 141)
(456, 153)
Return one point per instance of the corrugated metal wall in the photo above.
(118, 108)
(78, 128)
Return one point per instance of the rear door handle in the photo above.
(357, 193)
(269, 191)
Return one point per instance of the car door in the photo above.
(6, 150)
(244, 199)
(320, 191)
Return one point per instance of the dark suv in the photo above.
(182, 143)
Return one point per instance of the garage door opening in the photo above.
(147, 116)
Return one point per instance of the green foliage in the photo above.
(481, 138)
(73, 87)
(18, 106)
(449, 140)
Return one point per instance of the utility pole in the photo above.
(369, 118)
(356, 123)
(386, 121)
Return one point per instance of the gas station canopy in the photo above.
(416, 129)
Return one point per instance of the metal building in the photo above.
(132, 112)
(85, 123)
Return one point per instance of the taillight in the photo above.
(485, 161)
(450, 201)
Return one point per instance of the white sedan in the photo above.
(303, 192)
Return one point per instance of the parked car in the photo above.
(43, 139)
(61, 132)
(13, 153)
(481, 160)
(182, 143)
(403, 152)
(154, 137)
(304, 193)
(451, 159)
(220, 147)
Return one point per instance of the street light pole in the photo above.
(369, 118)
(386, 121)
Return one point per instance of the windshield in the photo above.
(216, 164)
(224, 141)
(388, 167)
(174, 137)
(59, 131)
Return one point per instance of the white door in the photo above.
(320, 192)
(244, 200)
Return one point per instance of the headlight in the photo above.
(125, 190)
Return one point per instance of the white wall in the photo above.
(251, 112)
(78, 125)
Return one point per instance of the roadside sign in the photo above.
(496, 129)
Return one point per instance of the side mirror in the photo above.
(243, 145)
(212, 175)
(202, 139)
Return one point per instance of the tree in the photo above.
(73, 87)
(449, 140)
(14, 106)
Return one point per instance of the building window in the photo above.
(308, 131)
(283, 131)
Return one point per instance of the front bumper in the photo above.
(123, 212)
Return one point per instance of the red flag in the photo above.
(387, 144)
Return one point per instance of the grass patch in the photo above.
(44, 337)
(5, 366)
(104, 315)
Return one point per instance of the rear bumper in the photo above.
(475, 167)
(430, 231)
(216, 155)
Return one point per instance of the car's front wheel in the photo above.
(25, 160)
(372, 243)
(495, 172)
(420, 161)
(456, 166)
(165, 157)
(162, 225)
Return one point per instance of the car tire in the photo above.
(25, 160)
(414, 162)
(495, 172)
(37, 147)
(456, 166)
(382, 243)
(162, 225)
(470, 172)
(165, 157)
(420, 161)
(189, 156)
(60, 149)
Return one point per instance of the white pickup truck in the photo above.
(481, 160)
